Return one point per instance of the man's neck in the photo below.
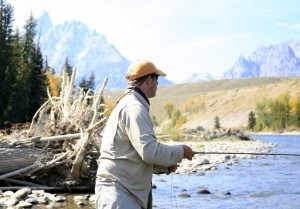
(137, 89)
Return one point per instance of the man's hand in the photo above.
(173, 168)
(188, 152)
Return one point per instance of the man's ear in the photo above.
(148, 80)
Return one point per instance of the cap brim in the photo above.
(160, 73)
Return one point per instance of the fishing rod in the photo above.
(245, 153)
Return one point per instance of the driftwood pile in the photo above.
(61, 147)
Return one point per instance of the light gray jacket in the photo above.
(129, 149)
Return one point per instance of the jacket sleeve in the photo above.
(141, 134)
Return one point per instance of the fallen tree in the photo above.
(61, 147)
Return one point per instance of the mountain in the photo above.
(199, 77)
(276, 60)
(87, 50)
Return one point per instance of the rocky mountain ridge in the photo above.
(90, 52)
(275, 60)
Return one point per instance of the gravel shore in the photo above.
(203, 162)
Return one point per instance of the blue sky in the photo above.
(181, 37)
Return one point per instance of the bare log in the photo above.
(20, 171)
(12, 159)
(25, 183)
(61, 137)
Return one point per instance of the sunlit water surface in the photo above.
(265, 182)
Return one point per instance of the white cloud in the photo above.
(295, 26)
(281, 24)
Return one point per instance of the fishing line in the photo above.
(173, 193)
(245, 153)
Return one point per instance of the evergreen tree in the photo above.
(88, 85)
(91, 82)
(38, 91)
(6, 56)
(217, 123)
(34, 76)
(251, 120)
(83, 84)
(15, 109)
(68, 67)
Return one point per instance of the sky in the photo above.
(181, 37)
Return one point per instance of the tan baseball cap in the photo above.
(141, 68)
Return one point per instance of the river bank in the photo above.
(204, 162)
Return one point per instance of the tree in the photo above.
(68, 67)
(217, 123)
(169, 109)
(91, 82)
(15, 109)
(295, 110)
(38, 91)
(251, 120)
(33, 76)
(54, 82)
(6, 56)
(263, 115)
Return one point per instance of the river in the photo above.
(265, 182)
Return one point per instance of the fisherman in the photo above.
(130, 152)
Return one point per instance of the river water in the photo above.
(265, 182)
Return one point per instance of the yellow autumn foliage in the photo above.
(54, 81)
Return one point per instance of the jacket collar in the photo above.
(138, 90)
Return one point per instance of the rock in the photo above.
(204, 162)
(78, 198)
(227, 157)
(227, 193)
(32, 200)
(38, 192)
(184, 195)
(21, 194)
(8, 194)
(203, 191)
(86, 197)
(43, 200)
(209, 167)
(92, 198)
(11, 202)
(80, 203)
(59, 199)
(24, 205)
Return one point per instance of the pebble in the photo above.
(203, 191)
(184, 195)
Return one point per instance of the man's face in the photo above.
(153, 86)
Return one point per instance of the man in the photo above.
(130, 152)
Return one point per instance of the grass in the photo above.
(231, 100)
